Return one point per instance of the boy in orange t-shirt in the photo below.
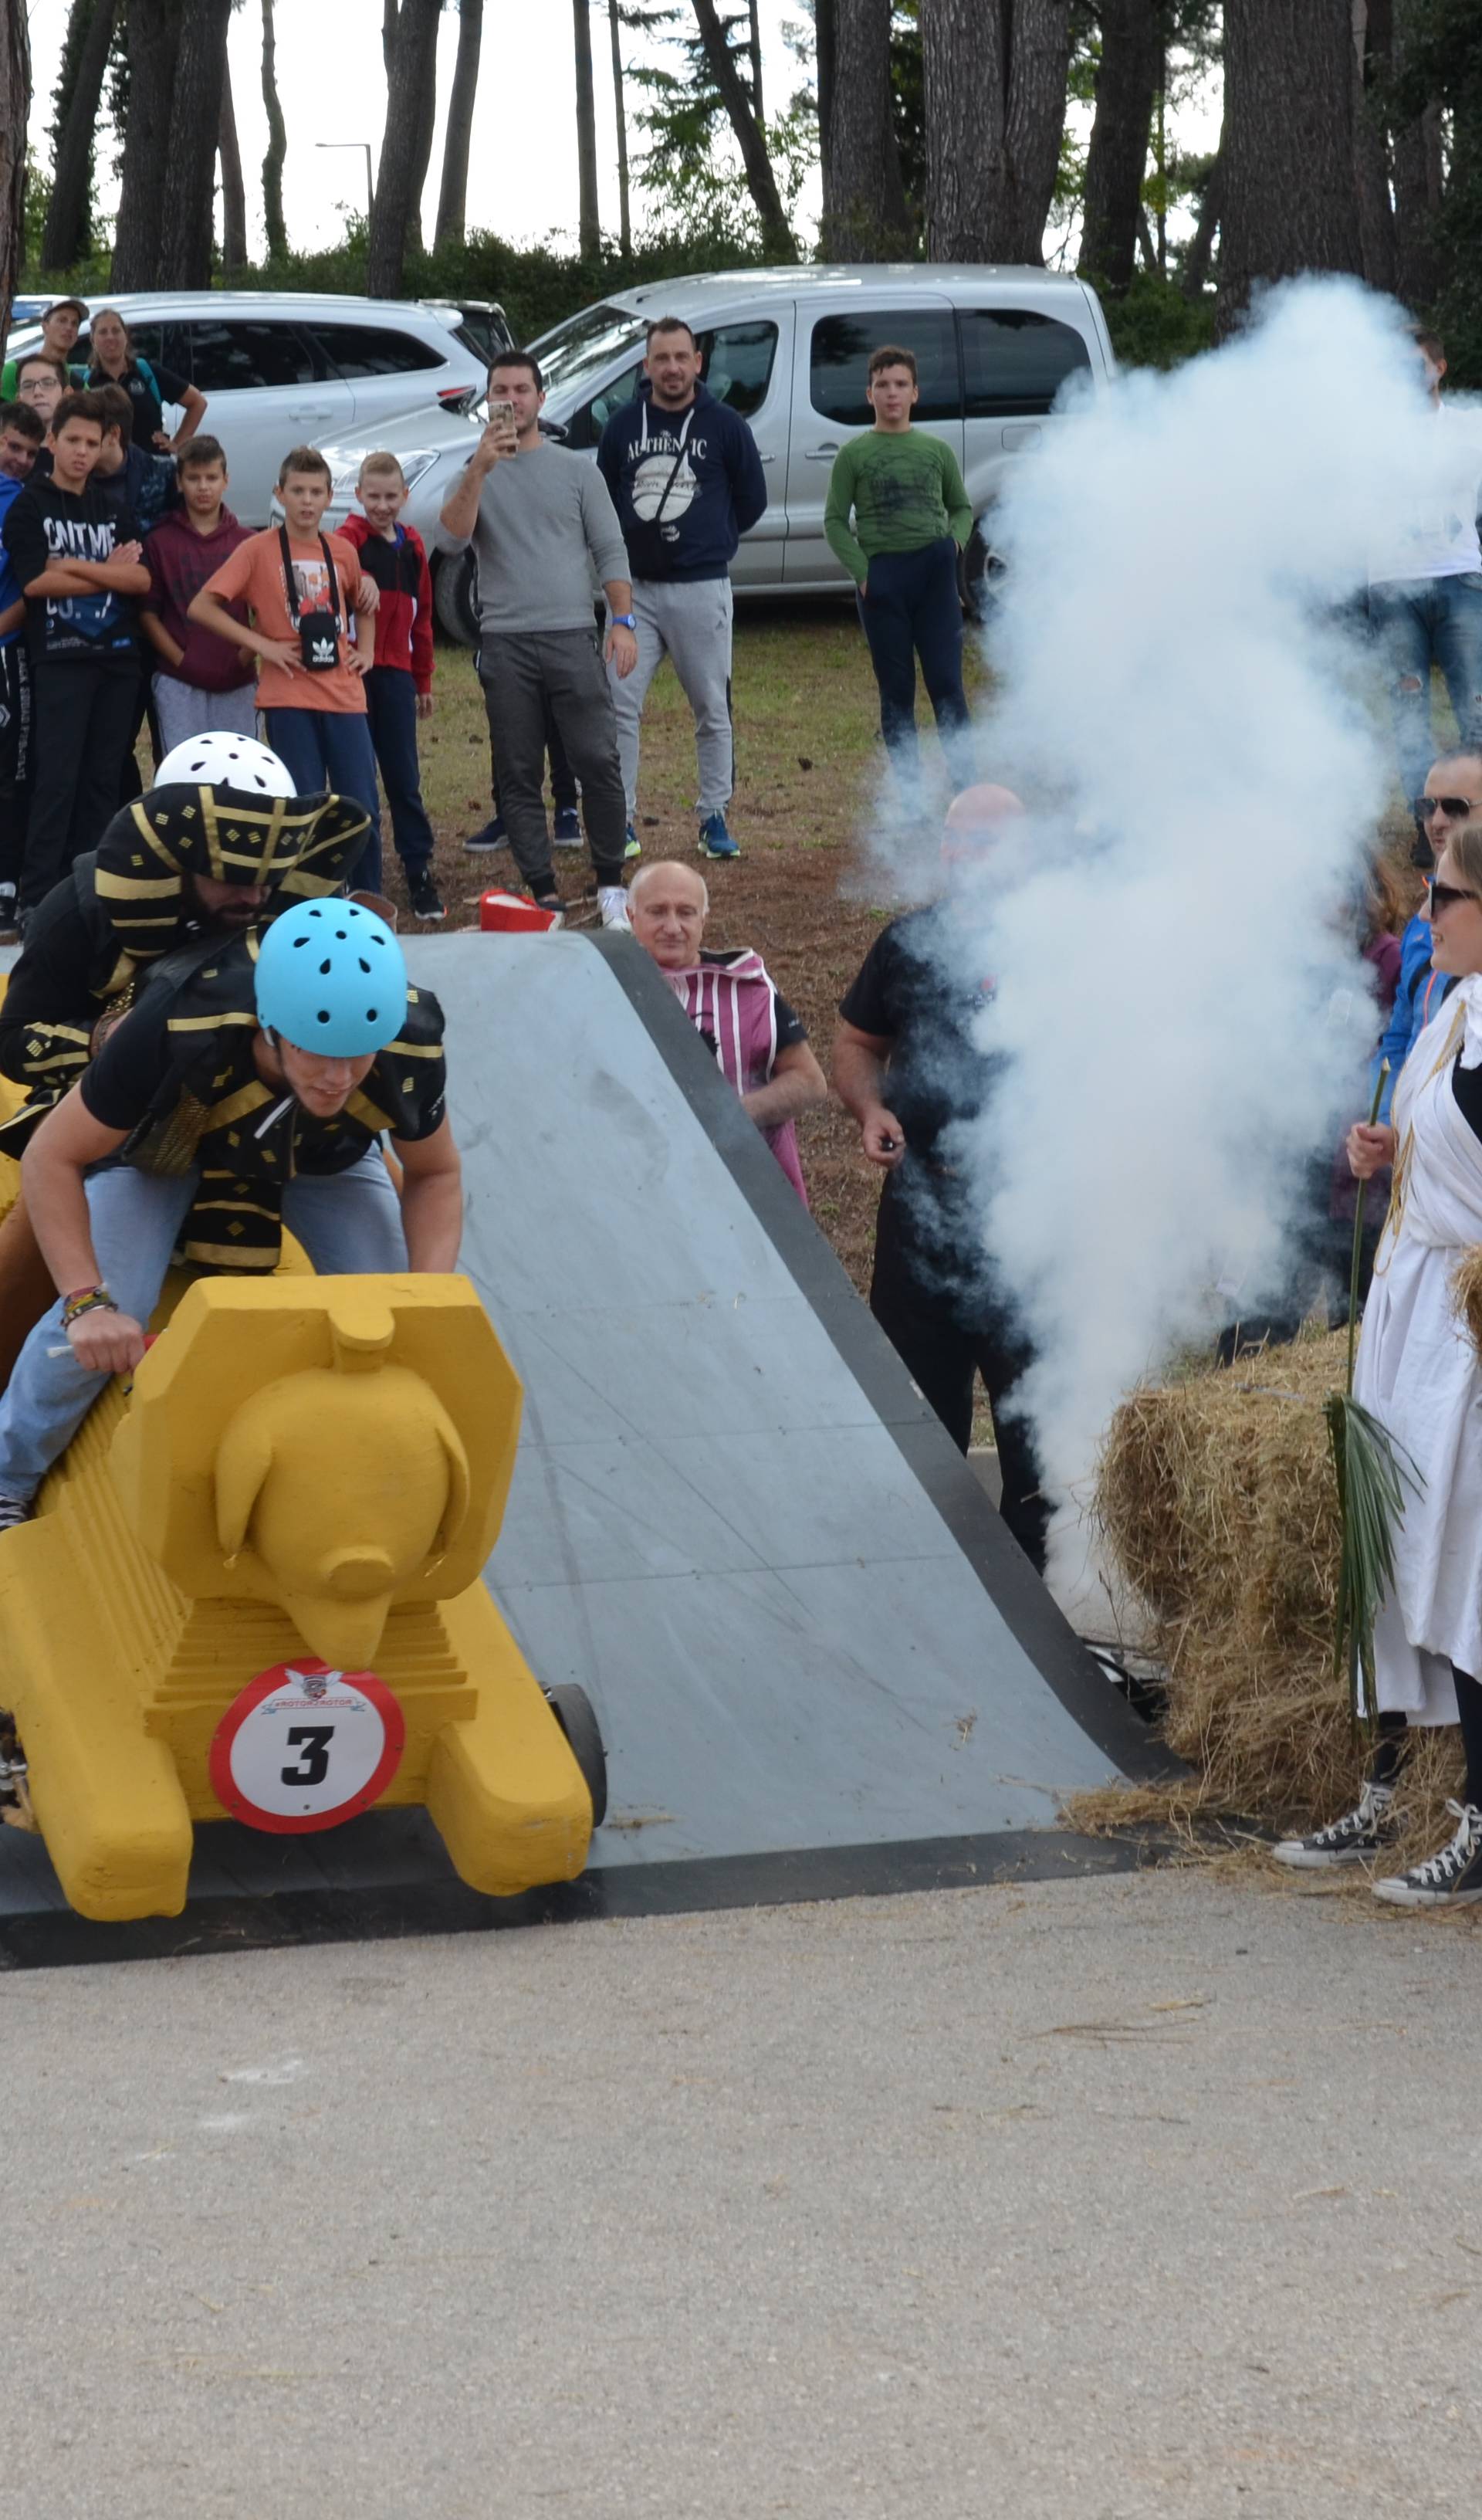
(305, 591)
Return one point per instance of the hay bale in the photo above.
(1466, 1287)
(1217, 1496)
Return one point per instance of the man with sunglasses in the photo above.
(1451, 798)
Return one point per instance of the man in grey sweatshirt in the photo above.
(542, 527)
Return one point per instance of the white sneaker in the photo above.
(1451, 1879)
(612, 902)
(1353, 1839)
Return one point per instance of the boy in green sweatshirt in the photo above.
(912, 515)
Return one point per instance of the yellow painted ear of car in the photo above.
(305, 1469)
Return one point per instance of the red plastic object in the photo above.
(510, 914)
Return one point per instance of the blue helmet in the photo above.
(331, 977)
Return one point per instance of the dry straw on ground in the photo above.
(1217, 1495)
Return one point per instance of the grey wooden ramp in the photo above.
(820, 1663)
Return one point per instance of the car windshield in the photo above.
(585, 345)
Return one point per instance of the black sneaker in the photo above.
(552, 902)
(565, 833)
(1353, 1839)
(6, 910)
(490, 835)
(1451, 1879)
(14, 1510)
(424, 895)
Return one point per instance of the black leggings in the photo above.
(1392, 1748)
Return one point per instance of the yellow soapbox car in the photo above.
(252, 1591)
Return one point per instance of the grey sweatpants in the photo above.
(183, 711)
(520, 671)
(691, 623)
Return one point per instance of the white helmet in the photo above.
(237, 761)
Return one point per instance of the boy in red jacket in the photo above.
(398, 689)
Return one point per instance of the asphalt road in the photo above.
(1145, 2196)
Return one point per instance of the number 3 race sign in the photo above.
(305, 1748)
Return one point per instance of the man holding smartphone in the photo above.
(540, 523)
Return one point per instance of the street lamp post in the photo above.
(370, 195)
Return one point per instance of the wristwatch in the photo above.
(625, 621)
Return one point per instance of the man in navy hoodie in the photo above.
(687, 483)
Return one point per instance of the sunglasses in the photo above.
(1455, 808)
(1444, 896)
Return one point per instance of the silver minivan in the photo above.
(788, 348)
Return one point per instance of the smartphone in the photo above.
(501, 418)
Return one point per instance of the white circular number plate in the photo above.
(304, 1747)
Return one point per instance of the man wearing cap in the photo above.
(220, 843)
(60, 327)
(908, 1066)
(249, 1099)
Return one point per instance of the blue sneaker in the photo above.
(566, 834)
(715, 842)
(490, 836)
(634, 847)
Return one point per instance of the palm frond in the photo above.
(1372, 1473)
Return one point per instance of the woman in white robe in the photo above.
(1419, 1374)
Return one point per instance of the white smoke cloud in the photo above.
(1178, 989)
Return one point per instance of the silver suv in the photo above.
(279, 369)
(788, 349)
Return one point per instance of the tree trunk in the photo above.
(825, 46)
(778, 239)
(1127, 83)
(453, 193)
(185, 243)
(153, 35)
(755, 42)
(867, 220)
(1373, 37)
(588, 216)
(1201, 252)
(620, 117)
(234, 243)
(993, 73)
(1419, 172)
(278, 144)
(1290, 198)
(422, 157)
(14, 117)
(67, 233)
(414, 71)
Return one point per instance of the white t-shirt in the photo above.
(1440, 537)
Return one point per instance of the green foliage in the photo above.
(1443, 58)
(536, 286)
(1155, 326)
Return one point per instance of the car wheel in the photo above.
(573, 1711)
(985, 569)
(453, 598)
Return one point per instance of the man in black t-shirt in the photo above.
(202, 1116)
(906, 1066)
(80, 566)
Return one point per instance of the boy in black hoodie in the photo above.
(687, 483)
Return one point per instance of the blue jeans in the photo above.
(332, 748)
(391, 699)
(349, 1224)
(913, 609)
(1416, 623)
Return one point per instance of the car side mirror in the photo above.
(556, 429)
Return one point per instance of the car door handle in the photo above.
(769, 459)
(821, 454)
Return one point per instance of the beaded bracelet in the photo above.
(88, 1299)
